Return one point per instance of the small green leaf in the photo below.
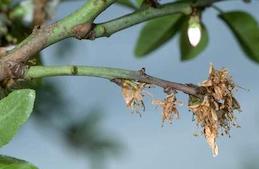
(246, 30)
(193, 100)
(15, 109)
(13, 163)
(189, 52)
(156, 33)
(126, 3)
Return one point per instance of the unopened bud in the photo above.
(194, 30)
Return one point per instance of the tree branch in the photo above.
(107, 73)
(79, 25)
(139, 16)
(106, 29)
(43, 36)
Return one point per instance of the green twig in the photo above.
(107, 73)
(139, 16)
(106, 29)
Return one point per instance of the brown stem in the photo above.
(188, 89)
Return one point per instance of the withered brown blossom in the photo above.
(215, 113)
(168, 105)
(206, 116)
(132, 93)
(213, 106)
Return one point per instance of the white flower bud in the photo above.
(194, 31)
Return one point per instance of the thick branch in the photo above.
(107, 73)
(77, 24)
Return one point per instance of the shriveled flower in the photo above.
(132, 93)
(168, 105)
(220, 85)
(206, 117)
(210, 133)
(215, 112)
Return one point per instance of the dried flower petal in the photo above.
(211, 135)
(168, 105)
(132, 93)
(207, 117)
(215, 112)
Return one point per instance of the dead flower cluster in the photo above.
(168, 105)
(132, 93)
(215, 112)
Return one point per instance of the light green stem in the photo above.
(102, 72)
(106, 73)
(139, 16)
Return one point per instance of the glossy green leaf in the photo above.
(156, 33)
(15, 109)
(13, 163)
(126, 3)
(189, 52)
(246, 31)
